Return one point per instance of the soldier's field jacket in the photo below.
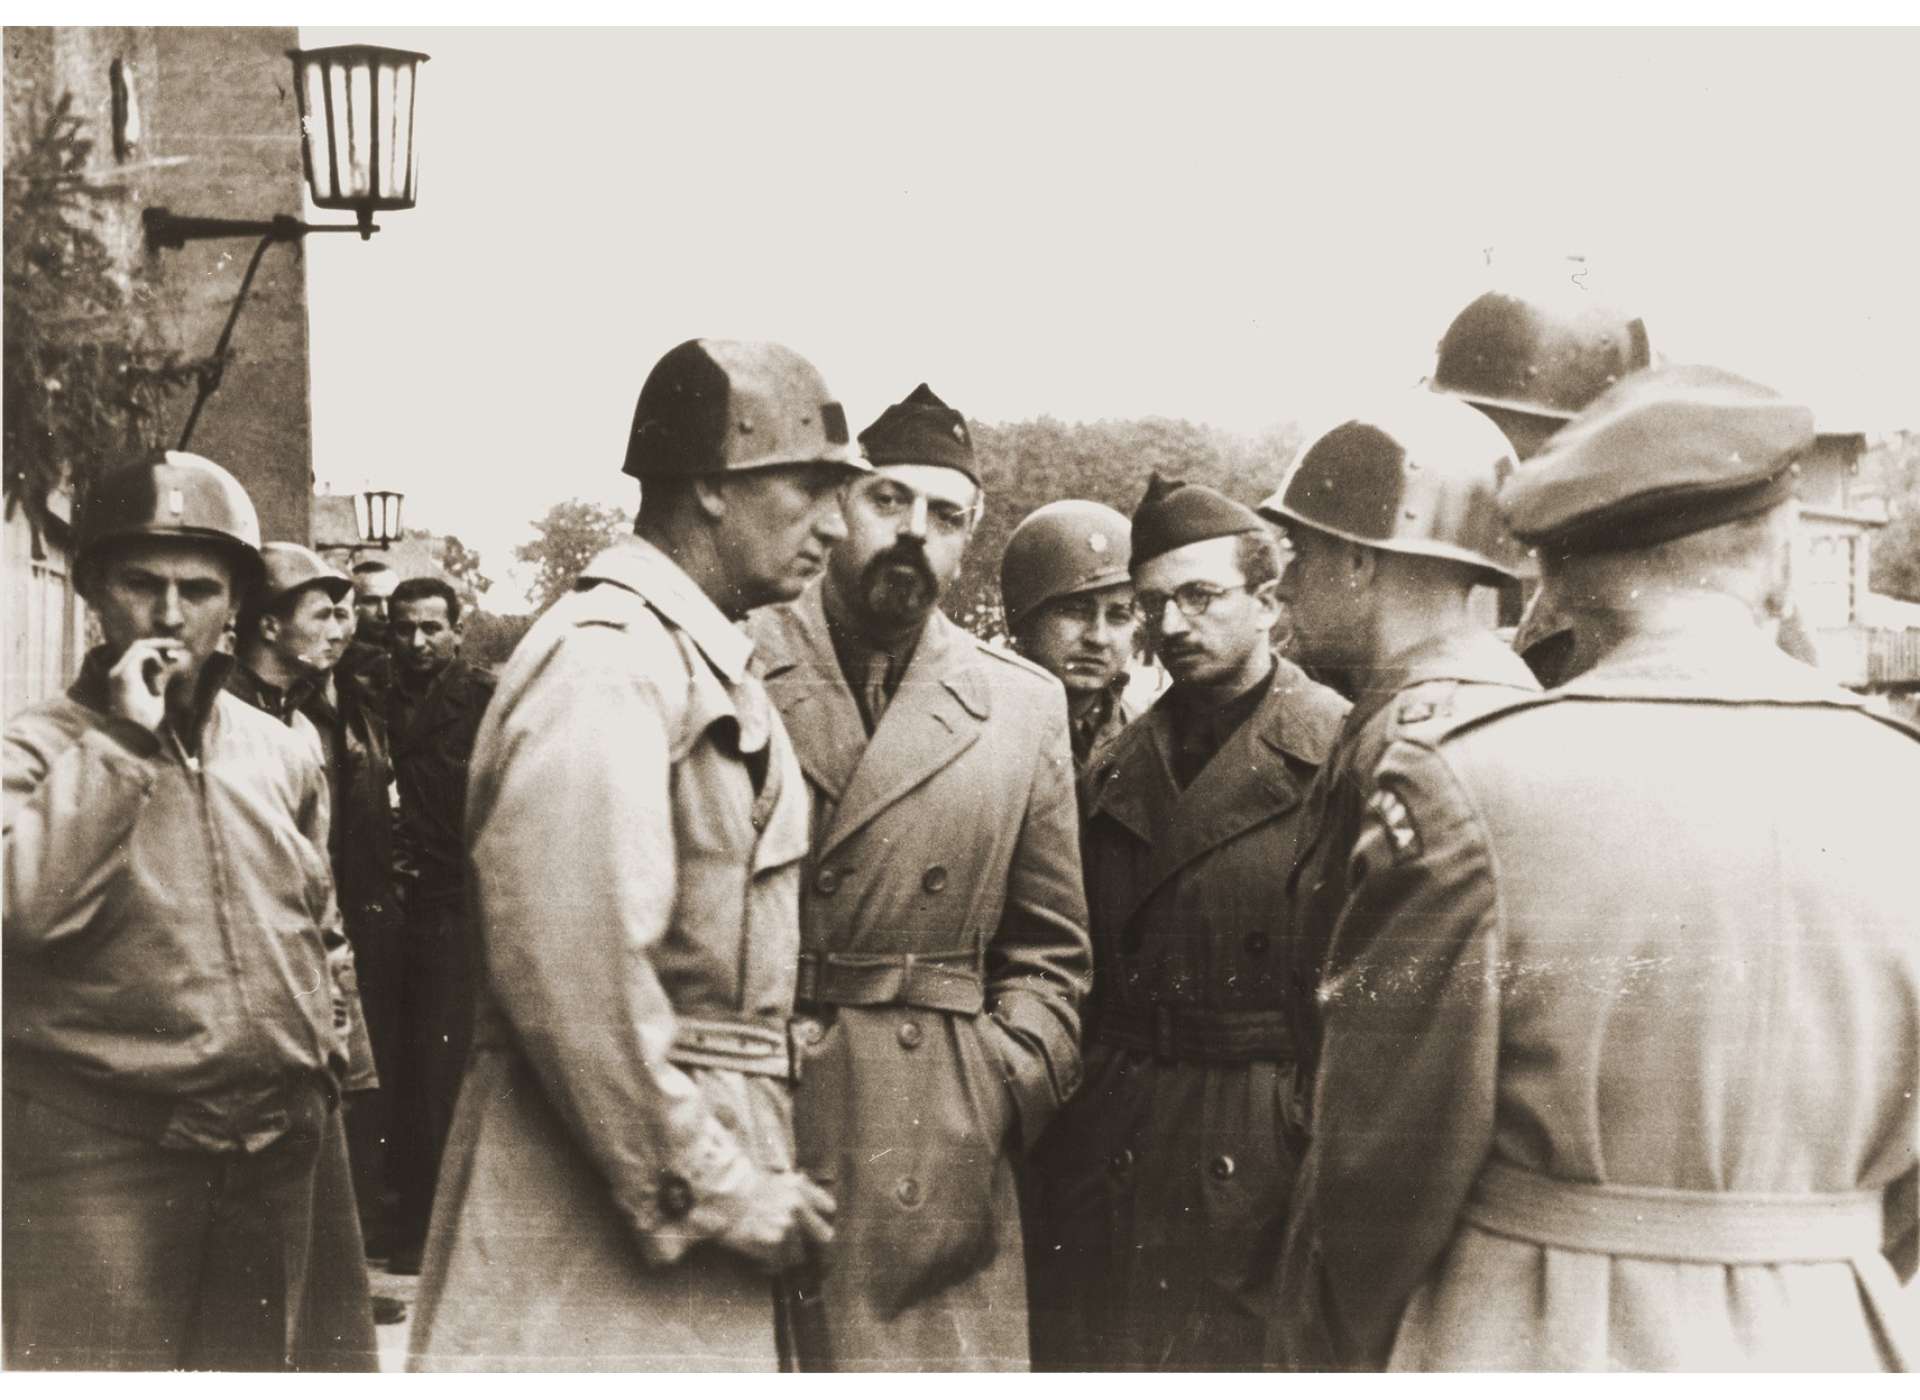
(944, 957)
(1622, 1038)
(1163, 1187)
(638, 821)
(173, 947)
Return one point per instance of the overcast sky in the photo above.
(1236, 227)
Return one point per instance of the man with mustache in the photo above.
(1069, 606)
(943, 924)
(1164, 1184)
(178, 991)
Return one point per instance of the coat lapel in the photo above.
(937, 714)
(1246, 783)
(803, 680)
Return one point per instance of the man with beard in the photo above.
(178, 991)
(1618, 1067)
(1069, 606)
(433, 713)
(1393, 523)
(1164, 1184)
(944, 946)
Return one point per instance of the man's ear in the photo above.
(1362, 565)
(710, 494)
(269, 627)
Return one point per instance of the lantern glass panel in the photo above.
(363, 514)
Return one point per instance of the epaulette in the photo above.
(1013, 659)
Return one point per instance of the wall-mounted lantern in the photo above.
(376, 516)
(356, 138)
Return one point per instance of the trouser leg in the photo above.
(371, 1116)
(336, 1326)
(105, 1241)
(259, 1258)
(438, 1007)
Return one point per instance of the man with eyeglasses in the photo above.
(1069, 606)
(942, 919)
(1164, 1184)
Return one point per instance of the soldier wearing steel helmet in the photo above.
(1393, 520)
(177, 987)
(1619, 1053)
(619, 1184)
(291, 642)
(1530, 364)
(1069, 606)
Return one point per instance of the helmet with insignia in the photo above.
(714, 406)
(1419, 475)
(1061, 549)
(175, 496)
(1539, 357)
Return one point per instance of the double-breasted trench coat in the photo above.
(945, 954)
(638, 823)
(1619, 1064)
(1162, 1187)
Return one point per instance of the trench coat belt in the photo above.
(932, 981)
(1196, 1033)
(744, 1046)
(1699, 1227)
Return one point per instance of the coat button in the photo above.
(909, 1034)
(907, 1192)
(1257, 943)
(1221, 1167)
(1121, 1162)
(827, 881)
(811, 1032)
(674, 1198)
(935, 880)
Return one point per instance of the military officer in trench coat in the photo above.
(1620, 1052)
(1163, 1186)
(942, 918)
(619, 1182)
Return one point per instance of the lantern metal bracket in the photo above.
(166, 229)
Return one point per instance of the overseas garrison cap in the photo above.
(1175, 513)
(1663, 453)
(920, 431)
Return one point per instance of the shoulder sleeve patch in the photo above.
(1390, 817)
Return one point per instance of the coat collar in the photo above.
(942, 704)
(1470, 654)
(1711, 663)
(644, 568)
(1249, 781)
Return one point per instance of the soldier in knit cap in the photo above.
(1165, 1184)
(942, 920)
(1619, 1053)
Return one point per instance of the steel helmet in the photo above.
(171, 496)
(713, 406)
(1521, 354)
(1063, 548)
(1418, 477)
(294, 566)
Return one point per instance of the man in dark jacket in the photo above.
(1164, 1184)
(177, 989)
(433, 713)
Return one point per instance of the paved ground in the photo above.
(393, 1340)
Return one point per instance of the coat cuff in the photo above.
(698, 1197)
